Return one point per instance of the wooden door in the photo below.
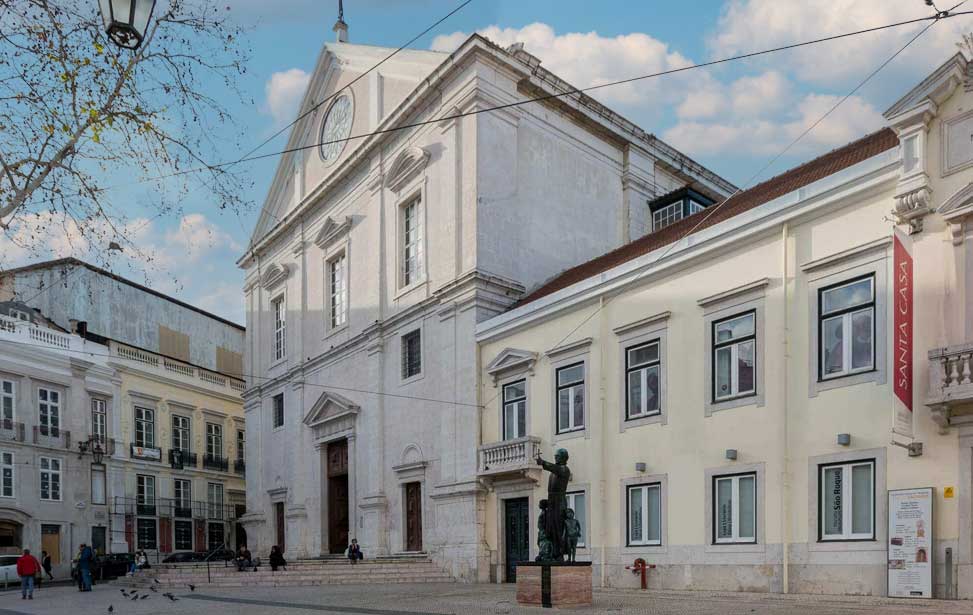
(51, 542)
(413, 517)
(279, 518)
(516, 537)
(338, 521)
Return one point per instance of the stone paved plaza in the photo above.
(459, 599)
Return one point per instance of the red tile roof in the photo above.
(786, 182)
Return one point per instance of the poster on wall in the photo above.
(902, 334)
(910, 543)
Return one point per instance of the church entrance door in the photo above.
(338, 523)
(413, 517)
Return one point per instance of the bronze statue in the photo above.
(557, 503)
(572, 532)
(544, 545)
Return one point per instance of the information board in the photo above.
(910, 543)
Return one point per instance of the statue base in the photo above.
(551, 584)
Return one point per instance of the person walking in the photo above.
(46, 564)
(27, 568)
(84, 566)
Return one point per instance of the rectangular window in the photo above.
(846, 328)
(50, 479)
(98, 491)
(214, 440)
(735, 356)
(145, 495)
(515, 410)
(146, 535)
(280, 324)
(576, 502)
(99, 420)
(182, 491)
(181, 433)
(642, 370)
(7, 404)
(735, 508)
(215, 536)
(847, 501)
(411, 354)
(6, 474)
(144, 427)
(184, 535)
(667, 215)
(570, 398)
(214, 497)
(645, 514)
(49, 406)
(278, 410)
(241, 445)
(337, 291)
(411, 243)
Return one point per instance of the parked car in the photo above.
(8, 569)
(183, 557)
(220, 555)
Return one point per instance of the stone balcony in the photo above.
(950, 396)
(510, 459)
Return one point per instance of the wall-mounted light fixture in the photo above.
(844, 439)
(640, 466)
(731, 454)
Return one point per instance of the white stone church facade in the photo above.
(375, 258)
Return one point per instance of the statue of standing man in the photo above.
(557, 501)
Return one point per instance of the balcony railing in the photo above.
(173, 366)
(240, 467)
(180, 459)
(509, 457)
(107, 444)
(54, 437)
(11, 430)
(220, 464)
(950, 382)
(170, 507)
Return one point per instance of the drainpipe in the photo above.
(785, 470)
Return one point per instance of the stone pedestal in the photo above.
(554, 584)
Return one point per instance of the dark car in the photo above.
(220, 555)
(183, 557)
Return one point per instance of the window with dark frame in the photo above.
(6, 474)
(144, 427)
(145, 495)
(99, 420)
(146, 534)
(214, 440)
(181, 435)
(515, 410)
(337, 291)
(674, 206)
(50, 474)
(846, 328)
(280, 327)
(846, 501)
(411, 243)
(735, 508)
(734, 357)
(411, 354)
(182, 491)
(644, 515)
(278, 410)
(569, 392)
(241, 443)
(7, 405)
(643, 366)
(49, 409)
(183, 535)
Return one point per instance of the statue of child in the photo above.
(572, 532)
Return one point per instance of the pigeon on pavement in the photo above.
(152, 589)
(145, 596)
(135, 596)
(192, 587)
(111, 609)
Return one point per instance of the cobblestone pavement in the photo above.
(457, 599)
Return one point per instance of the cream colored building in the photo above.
(699, 378)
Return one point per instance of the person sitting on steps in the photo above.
(354, 551)
(277, 559)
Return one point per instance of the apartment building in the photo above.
(744, 392)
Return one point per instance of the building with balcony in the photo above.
(174, 418)
(53, 386)
(741, 394)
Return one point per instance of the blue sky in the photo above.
(733, 118)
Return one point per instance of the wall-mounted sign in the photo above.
(902, 335)
(948, 493)
(910, 543)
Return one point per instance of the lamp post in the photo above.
(126, 20)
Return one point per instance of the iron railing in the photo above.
(212, 462)
(180, 459)
(240, 467)
(11, 430)
(170, 508)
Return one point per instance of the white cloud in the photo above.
(284, 91)
(195, 237)
(224, 299)
(769, 136)
(748, 96)
(751, 25)
(585, 59)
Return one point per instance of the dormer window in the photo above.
(675, 206)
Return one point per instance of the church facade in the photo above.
(405, 214)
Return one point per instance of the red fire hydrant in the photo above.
(640, 567)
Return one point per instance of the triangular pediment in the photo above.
(330, 407)
(511, 359)
(959, 204)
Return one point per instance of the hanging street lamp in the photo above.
(126, 20)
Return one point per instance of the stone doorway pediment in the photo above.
(331, 414)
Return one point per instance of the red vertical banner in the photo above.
(902, 334)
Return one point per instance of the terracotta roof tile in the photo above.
(786, 182)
